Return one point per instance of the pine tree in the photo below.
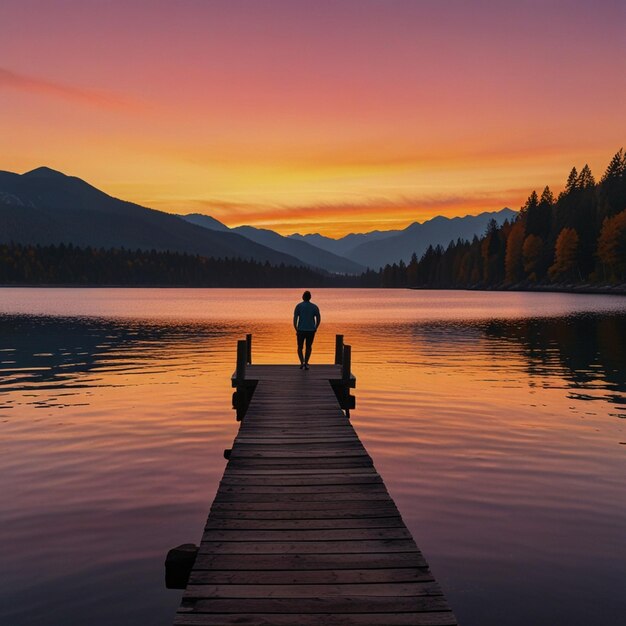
(412, 271)
(547, 197)
(532, 216)
(585, 179)
(542, 222)
(612, 189)
(572, 181)
(616, 167)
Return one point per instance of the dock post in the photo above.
(338, 349)
(346, 364)
(346, 371)
(242, 357)
(249, 348)
(240, 399)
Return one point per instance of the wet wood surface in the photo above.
(302, 530)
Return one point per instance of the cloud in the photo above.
(21, 82)
(337, 218)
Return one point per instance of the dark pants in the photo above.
(305, 336)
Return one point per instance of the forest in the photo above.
(574, 239)
(66, 264)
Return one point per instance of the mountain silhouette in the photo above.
(206, 221)
(307, 253)
(417, 237)
(346, 244)
(44, 206)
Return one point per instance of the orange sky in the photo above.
(327, 117)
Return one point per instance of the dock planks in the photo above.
(302, 531)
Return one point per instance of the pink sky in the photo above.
(329, 116)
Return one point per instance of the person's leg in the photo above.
(300, 346)
(309, 346)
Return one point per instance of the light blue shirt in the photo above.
(306, 316)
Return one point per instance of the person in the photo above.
(306, 321)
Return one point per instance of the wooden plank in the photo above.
(330, 604)
(330, 496)
(318, 534)
(362, 546)
(302, 514)
(311, 561)
(300, 481)
(334, 523)
(367, 507)
(313, 590)
(317, 619)
(365, 489)
(310, 577)
(295, 498)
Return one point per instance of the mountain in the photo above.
(352, 253)
(302, 250)
(345, 245)
(417, 237)
(307, 253)
(47, 207)
(206, 221)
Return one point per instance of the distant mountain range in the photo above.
(345, 245)
(377, 248)
(309, 254)
(417, 237)
(374, 249)
(47, 207)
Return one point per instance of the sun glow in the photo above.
(332, 119)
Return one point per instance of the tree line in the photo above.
(578, 237)
(67, 264)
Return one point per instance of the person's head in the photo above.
(306, 296)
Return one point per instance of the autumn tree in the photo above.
(531, 255)
(513, 262)
(566, 255)
(612, 246)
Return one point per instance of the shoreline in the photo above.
(600, 290)
(606, 290)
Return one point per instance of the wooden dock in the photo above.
(302, 530)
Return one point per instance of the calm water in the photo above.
(497, 421)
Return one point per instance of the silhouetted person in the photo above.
(306, 320)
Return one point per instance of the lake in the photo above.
(496, 419)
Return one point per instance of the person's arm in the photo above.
(295, 318)
(318, 318)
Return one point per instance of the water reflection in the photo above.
(511, 480)
(589, 350)
(43, 352)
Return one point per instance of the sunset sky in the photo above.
(328, 116)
